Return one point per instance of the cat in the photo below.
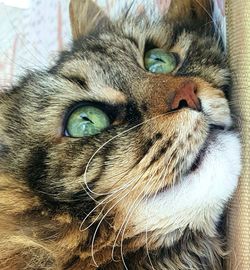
(123, 154)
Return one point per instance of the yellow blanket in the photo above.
(238, 36)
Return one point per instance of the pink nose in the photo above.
(186, 96)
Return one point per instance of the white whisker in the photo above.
(103, 145)
(108, 201)
(94, 235)
(129, 214)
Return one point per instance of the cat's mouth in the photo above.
(214, 130)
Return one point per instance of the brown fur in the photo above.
(182, 9)
(65, 205)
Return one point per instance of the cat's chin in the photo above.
(199, 198)
(214, 131)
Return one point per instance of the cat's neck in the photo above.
(58, 238)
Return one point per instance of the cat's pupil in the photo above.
(85, 118)
(159, 59)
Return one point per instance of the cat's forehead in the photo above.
(108, 60)
(115, 58)
(125, 43)
(117, 54)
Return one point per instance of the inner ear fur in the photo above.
(86, 16)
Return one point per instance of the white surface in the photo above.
(16, 3)
(30, 38)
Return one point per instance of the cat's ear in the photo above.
(85, 16)
(190, 11)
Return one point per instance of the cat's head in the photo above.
(132, 125)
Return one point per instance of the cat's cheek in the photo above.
(218, 111)
(215, 105)
(199, 199)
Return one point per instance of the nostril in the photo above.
(186, 97)
(182, 104)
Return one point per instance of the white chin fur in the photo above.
(199, 198)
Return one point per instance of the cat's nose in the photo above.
(186, 97)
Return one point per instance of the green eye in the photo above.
(86, 121)
(159, 61)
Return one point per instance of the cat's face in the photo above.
(151, 168)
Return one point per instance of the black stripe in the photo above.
(160, 153)
(36, 169)
(71, 262)
(4, 150)
(79, 81)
